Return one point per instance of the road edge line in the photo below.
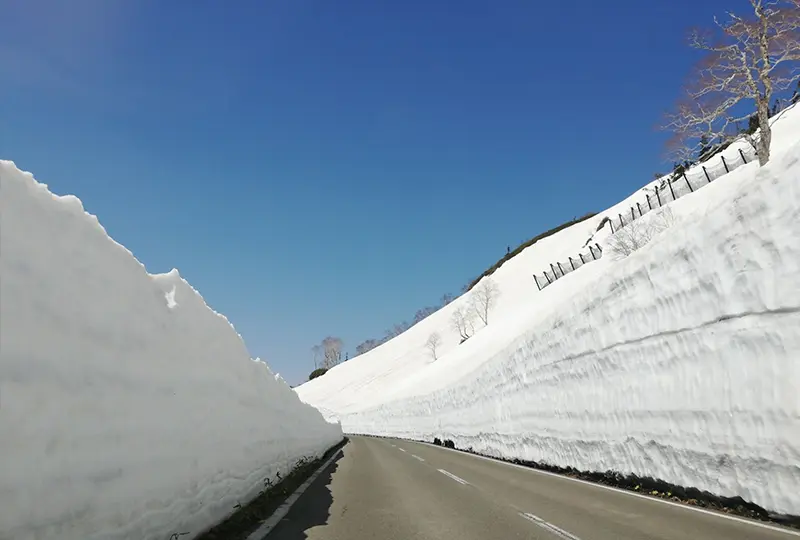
(785, 530)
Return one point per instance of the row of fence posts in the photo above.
(572, 265)
(633, 217)
(672, 192)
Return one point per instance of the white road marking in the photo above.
(454, 477)
(767, 526)
(417, 457)
(401, 449)
(283, 509)
(561, 533)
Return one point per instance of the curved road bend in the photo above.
(387, 489)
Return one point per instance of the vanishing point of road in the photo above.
(386, 489)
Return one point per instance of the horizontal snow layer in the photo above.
(129, 409)
(680, 362)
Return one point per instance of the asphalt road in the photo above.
(386, 489)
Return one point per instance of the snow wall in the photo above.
(128, 408)
(681, 361)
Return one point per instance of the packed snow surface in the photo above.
(128, 408)
(680, 361)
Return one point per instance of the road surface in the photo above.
(386, 489)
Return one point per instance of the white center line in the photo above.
(417, 457)
(655, 500)
(402, 449)
(561, 533)
(454, 477)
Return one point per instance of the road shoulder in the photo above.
(248, 518)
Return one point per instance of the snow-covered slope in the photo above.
(128, 408)
(681, 361)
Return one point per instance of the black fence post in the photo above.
(650, 206)
(547, 277)
(598, 247)
(742, 154)
(612, 226)
(724, 163)
(621, 223)
(537, 282)
(688, 183)
(658, 195)
(671, 190)
(582, 261)
(707, 177)
(633, 215)
(572, 264)
(592, 252)
(559, 267)
(555, 274)
(640, 209)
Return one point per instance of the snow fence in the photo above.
(680, 362)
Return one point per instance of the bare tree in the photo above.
(366, 346)
(332, 351)
(639, 232)
(396, 330)
(484, 298)
(446, 299)
(747, 60)
(424, 313)
(316, 350)
(462, 322)
(434, 340)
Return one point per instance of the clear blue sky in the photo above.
(317, 167)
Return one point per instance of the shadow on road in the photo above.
(246, 520)
(312, 509)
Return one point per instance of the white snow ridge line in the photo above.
(283, 509)
(454, 477)
(561, 533)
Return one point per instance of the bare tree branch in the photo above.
(424, 313)
(484, 297)
(746, 61)
(639, 232)
(316, 350)
(462, 322)
(331, 352)
(366, 346)
(434, 340)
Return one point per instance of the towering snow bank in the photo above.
(128, 408)
(681, 361)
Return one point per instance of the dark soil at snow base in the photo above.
(643, 485)
(249, 517)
